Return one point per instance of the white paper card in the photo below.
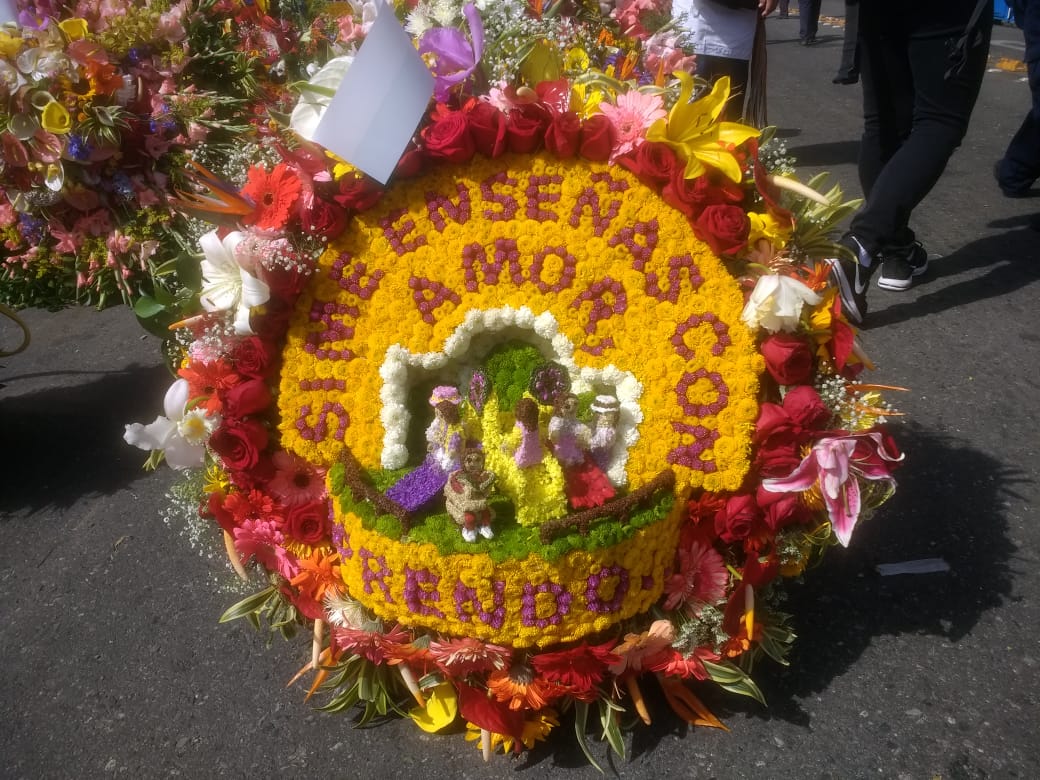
(380, 101)
(919, 566)
(8, 11)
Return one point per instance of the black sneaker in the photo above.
(900, 265)
(852, 277)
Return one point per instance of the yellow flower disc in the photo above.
(620, 289)
(525, 603)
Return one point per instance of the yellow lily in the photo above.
(74, 28)
(765, 225)
(694, 131)
(10, 45)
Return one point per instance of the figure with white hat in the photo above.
(604, 432)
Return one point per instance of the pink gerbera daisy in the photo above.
(633, 113)
(701, 578)
(296, 482)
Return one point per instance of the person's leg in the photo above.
(808, 20)
(1020, 167)
(941, 110)
(888, 99)
(848, 69)
(785, 8)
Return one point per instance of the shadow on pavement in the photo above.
(949, 506)
(65, 442)
(1012, 261)
(826, 155)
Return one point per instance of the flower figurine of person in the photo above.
(529, 474)
(466, 496)
(444, 442)
(587, 484)
(604, 431)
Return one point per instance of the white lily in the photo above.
(226, 285)
(776, 303)
(181, 435)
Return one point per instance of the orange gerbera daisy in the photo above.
(318, 573)
(520, 688)
(274, 195)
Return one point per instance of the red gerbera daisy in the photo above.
(275, 195)
(580, 669)
(207, 380)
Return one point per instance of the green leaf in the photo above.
(581, 717)
(254, 603)
(734, 680)
(611, 728)
(146, 307)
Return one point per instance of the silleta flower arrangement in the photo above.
(101, 104)
(551, 416)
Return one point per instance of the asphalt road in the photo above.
(112, 662)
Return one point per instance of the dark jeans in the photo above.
(849, 66)
(1020, 167)
(808, 18)
(914, 117)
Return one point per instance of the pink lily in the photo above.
(835, 463)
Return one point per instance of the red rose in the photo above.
(448, 137)
(358, 192)
(322, 219)
(779, 440)
(487, 125)
(597, 138)
(692, 196)
(252, 357)
(308, 523)
(805, 407)
(411, 164)
(780, 510)
(724, 228)
(563, 135)
(247, 397)
(238, 443)
(652, 162)
(737, 518)
(789, 358)
(525, 128)
(285, 283)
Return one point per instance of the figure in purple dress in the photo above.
(444, 443)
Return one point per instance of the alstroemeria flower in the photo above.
(776, 303)
(226, 285)
(455, 57)
(835, 464)
(181, 435)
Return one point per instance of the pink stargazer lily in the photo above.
(835, 463)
